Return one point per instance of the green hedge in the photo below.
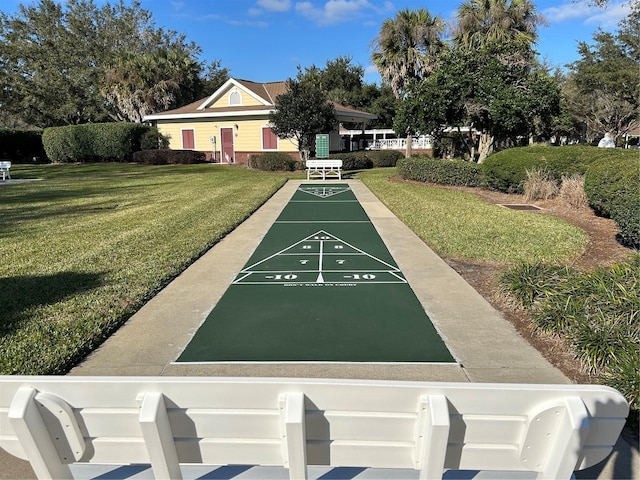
(506, 170)
(365, 159)
(444, 172)
(21, 146)
(274, 162)
(169, 157)
(96, 142)
(612, 186)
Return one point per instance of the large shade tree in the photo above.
(603, 87)
(302, 112)
(77, 62)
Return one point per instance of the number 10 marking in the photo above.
(366, 276)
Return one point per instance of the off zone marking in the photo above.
(320, 258)
(324, 192)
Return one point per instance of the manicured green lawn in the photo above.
(84, 247)
(87, 245)
(461, 225)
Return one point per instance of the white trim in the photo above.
(182, 130)
(262, 140)
(189, 116)
(224, 88)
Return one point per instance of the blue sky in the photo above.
(265, 40)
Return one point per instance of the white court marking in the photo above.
(324, 192)
(320, 258)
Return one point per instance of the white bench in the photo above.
(422, 428)
(5, 167)
(324, 169)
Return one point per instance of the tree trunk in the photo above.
(409, 145)
(485, 147)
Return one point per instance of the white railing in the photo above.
(422, 142)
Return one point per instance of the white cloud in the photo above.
(275, 5)
(334, 11)
(607, 17)
(178, 5)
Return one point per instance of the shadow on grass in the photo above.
(19, 294)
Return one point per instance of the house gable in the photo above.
(237, 93)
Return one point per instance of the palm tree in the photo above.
(407, 46)
(406, 49)
(495, 23)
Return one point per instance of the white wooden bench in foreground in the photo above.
(170, 422)
(324, 168)
(5, 169)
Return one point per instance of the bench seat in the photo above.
(5, 169)
(169, 423)
(324, 169)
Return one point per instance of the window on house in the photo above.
(235, 98)
(188, 140)
(269, 139)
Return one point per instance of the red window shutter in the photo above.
(188, 141)
(269, 139)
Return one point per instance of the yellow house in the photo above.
(233, 123)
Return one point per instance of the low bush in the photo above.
(273, 162)
(169, 157)
(444, 172)
(506, 171)
(611, 186)
(21, 146)
(354, 160)
(385, 158)
(595, 312)
(96, 142)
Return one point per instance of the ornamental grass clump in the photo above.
(572, 191)
(596, 313)
(540, 185)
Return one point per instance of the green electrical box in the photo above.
(322, 145)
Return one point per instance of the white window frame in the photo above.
(235, 94)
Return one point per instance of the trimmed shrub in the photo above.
(354, 160)
(96, 142)
(21, 146)
(385, 158)
(272, 162)
(444, 172)
(612, 188)
(506, 171)
(169, 157)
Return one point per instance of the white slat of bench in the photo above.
(324, 168)
(275, 422)
(5, 169)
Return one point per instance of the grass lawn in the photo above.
(460, 225)
(84, 247)
(87, 245)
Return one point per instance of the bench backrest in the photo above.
(5, 164)
(328, 163)
(165, 421)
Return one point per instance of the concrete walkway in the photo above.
(487, 347)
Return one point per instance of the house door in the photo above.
(226, 135)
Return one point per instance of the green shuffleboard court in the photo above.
(320, 287)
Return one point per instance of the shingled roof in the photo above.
(268, 92)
